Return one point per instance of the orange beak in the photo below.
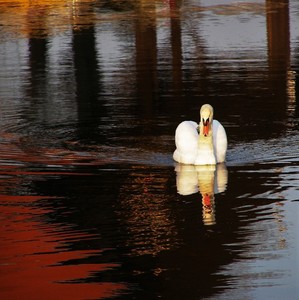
(206, 128)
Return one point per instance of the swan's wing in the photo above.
(186, 141)
(219, 141)
(186, 136)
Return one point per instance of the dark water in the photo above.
(92, 205)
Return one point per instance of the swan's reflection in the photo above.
(208, 180)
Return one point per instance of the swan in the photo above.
(203, 144)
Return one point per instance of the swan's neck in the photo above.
(205, 141)
(205, 154)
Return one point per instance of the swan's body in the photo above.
(205, 144)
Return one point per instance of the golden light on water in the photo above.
(44, 17)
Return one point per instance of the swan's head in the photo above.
(206, 119)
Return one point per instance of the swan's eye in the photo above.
(205, 122)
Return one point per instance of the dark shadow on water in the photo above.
(156, 236)
(88, 85)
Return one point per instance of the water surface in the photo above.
(92, 205)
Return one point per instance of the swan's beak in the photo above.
(206, 127)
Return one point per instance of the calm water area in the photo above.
(92, 205)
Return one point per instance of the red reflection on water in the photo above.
(32, 255)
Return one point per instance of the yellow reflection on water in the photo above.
(44, 17)
(207, 180)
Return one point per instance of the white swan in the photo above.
(205, 144)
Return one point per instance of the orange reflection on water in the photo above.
(36, 261)
(44, 17)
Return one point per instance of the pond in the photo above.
(92, 205)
